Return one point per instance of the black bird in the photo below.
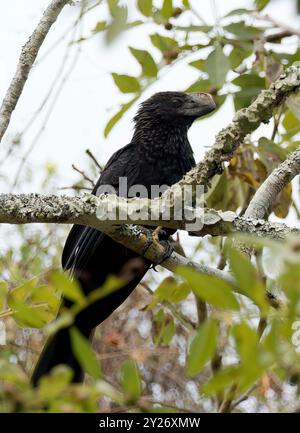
(158, 154)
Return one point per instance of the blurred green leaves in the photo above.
(202, 348)
(210, 289)
(163, 328)
(248, 280)
(130, 380)
(32, 304)
(111, 123)
(250, 86)
(145, 7)
(170, 290)
(84, 354)
(149, 68)
(167, 9)
(126, 83)
(70, 288)
(217, 66)
(243, 31)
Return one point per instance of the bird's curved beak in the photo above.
(205, 102)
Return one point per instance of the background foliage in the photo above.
(183, 342)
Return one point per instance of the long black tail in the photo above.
(94, 262)
(58, 350)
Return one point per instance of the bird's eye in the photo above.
(176, 102)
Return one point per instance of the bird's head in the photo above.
(175, 107)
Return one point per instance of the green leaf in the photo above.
(293, 103)
(164, 328)
(111, 123)
(186, 4)
(100, 26)
(84, 354)
(210, 289)
(70, 288)
(3, 293)
(23, 292)
(242, 31)
(251, 85)
(237, 55)
(145, 7)
(248, 278)
(222, 380)
(163, 43)
(51, 386)
(46, 294)
(202, 348)
(119, 22)
(247, 345)
(291, 124)
(198, 64)
(202, 29)
(270, 153)
(146, 61)
(32, 305)
(169, 290)
(168, 332)
(246, 340)
(126, 83)
(240, 11)
(217, 65)
(30, 316)
(114, 7)
(167, 9)
(199, 86)
(261, 4)
(249, 80)
(133, 24)
(130, 380)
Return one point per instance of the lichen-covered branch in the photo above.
(27, 57)
(267, 193)
(245, 122)
(34, 208)
(97, 212)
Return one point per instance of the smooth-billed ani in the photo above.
(158, 154)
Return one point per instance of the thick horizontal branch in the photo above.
(97, 212)
(27, 57)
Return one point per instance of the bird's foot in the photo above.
(168, 250)
(155, 238)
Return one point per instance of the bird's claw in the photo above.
(168, 250)
(154, 238)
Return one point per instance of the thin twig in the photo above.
(243, 397)
(94, 159)
(47, 116)
(26, 60)
(85, 176)
(84, 11)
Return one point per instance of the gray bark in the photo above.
(266, 194)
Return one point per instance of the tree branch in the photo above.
(266, 194)
(27, 57)
(97, 212)
(245, 122)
